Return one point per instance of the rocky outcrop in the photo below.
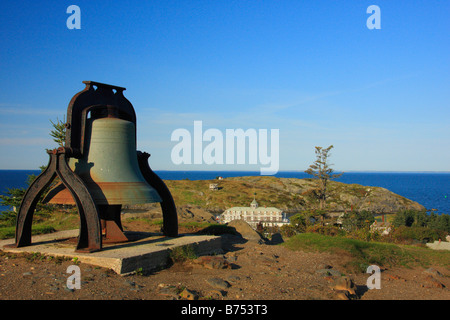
(373, 199)
(196, 202)
(345, 288)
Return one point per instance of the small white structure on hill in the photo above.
(254, 215)
(213, 186)
(383, 227)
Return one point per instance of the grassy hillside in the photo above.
(363, 253)
(290, 194)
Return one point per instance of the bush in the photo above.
(440, 222)
(411, 218)
(288, 231)
(365, 234)
(298, 222)
(353, 220)
(325, 230)
(8, 218)
(410, 234)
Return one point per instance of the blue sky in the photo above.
(311, 69)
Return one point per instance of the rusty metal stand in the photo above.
(97, 221)
(90, 238)
(112, 230)
(169, 210)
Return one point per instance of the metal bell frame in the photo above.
(100, 100)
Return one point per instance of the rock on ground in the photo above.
(245, 230)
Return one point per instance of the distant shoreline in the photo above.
(429, 188)
(280, 171)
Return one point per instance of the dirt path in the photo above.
(246, 271)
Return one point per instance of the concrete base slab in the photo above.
(145, 251)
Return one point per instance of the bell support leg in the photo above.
(111, 224)
(169, 210)
(29, 202)
(90, 237)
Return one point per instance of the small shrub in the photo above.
(183, 253)
(298, 222)
(288, 231)
(139, 271)
(365, 234)
(34, 256)
(325, 230)
(356, 220)
(8, 218)
(410, 234)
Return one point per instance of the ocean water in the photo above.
(430, 189)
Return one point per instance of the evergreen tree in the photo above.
(403, 218)
(59, 132)
(321, 170)
(353, 220)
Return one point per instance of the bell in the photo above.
(109, 166)
(100, 170)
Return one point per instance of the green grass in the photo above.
(149, 221)
(60, 221)
(183, 253)
(194, 224)
(43, 224)
(362, 253)
(9, 232)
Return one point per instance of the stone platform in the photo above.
(145, 251)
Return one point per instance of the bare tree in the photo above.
(322, 171)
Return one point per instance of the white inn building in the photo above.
(253, 215)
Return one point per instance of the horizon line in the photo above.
(297, 171)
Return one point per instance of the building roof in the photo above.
(254, 209)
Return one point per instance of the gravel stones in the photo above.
(218, 283)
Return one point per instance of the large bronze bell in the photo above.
(99, 170)
(109, 166)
